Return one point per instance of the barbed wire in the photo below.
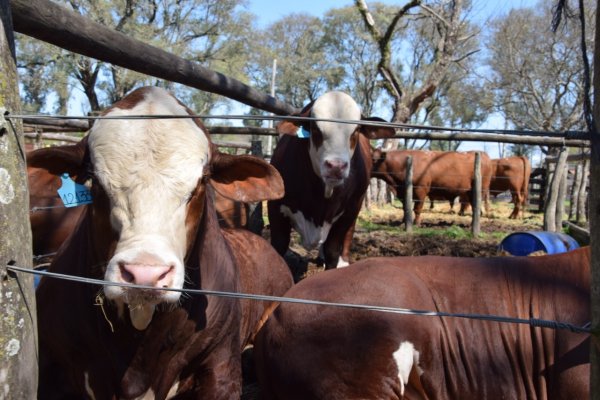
(536, 322)
(582, 135)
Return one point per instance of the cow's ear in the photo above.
(374, 131)
(57, 160)
(286, 127)
(245, 178)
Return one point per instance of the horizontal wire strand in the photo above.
(246, 296)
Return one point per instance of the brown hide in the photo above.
(437, 174)
(324, 352)
(512, 174)
(191, 349)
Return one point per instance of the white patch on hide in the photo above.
(88, 388)
(312, 235)
(336, 135)
(149, 168)
(341, 263)
(406, 358)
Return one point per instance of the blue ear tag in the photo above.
(302, 133)
(73, 194)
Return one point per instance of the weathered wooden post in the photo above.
(561, 197)
(594, 216)
(581, 214)
(551, 203)
(408, 195)
(18, 331)
(476, 224)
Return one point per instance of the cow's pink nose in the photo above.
(336, 167)
(147, 275)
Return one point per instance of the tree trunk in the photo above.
(594, 217)
(552, 191)
(582, 213)
(408, 195)
(560, 198)
(476, 224)
(574, 195)
(18, 332)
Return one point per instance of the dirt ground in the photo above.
(380, 232)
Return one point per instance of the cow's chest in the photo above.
(312, 233)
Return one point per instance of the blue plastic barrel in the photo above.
(525, 243)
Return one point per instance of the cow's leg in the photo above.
(517, 201)
(280, 227)
(336, 248)
(419, 202)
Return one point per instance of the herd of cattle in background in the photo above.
(160, 187)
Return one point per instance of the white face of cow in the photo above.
(331, 148)
(149, 169)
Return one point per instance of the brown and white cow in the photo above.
(512, 174)
(438, 174)
(153, 222)
(324, 352)
(325, 176)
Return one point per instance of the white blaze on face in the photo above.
(149, 168)
(331, 160)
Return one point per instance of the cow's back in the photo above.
(317, 352)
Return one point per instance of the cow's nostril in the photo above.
(126, 275)
(164, 274)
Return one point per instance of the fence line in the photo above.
(542, 323)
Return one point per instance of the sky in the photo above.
(269, 11)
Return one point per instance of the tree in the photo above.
(413, 66)
(207, 31)
(348, 44)
(537, 74)
(303, 69)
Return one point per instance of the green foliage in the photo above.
(210, 32)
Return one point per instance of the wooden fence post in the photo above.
(18, 331)
(594, 217)
(581, 213)
(408, 195)
(560, 198)
(476, 224)
(550, 208)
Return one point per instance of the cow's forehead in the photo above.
(335, 105)
(156, 143)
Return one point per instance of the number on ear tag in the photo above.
(303, 133)
(73, 194)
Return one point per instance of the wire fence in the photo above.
(494, 318)
(535, 322)
(566, 135)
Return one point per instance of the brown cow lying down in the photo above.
(52, 222)
(323, 352)
(153, 222)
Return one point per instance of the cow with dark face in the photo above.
(153, 222)
(325, 175)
